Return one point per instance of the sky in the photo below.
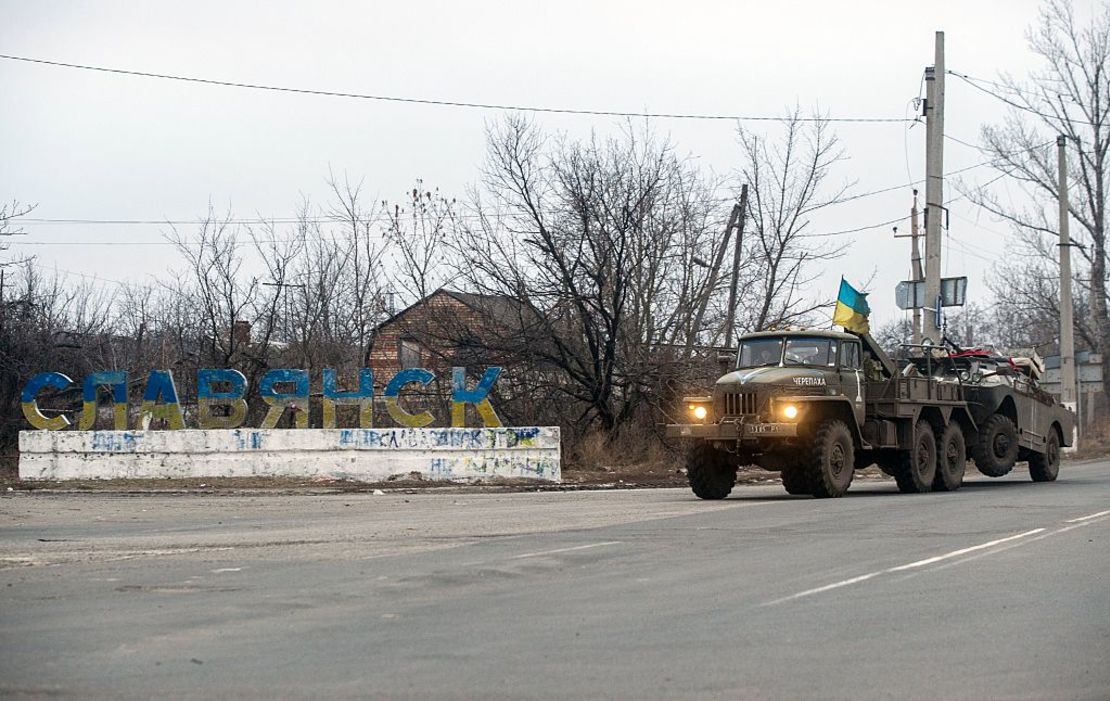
(85, 145)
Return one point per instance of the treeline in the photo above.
(615, 253)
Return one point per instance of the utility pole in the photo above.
(915, 267)
(934, 186)
(1069, 393)
(741, 217)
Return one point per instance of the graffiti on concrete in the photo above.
(222, 403)
(363, 454)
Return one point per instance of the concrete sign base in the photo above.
(360, 454)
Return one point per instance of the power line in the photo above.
(446, 103)
(1013, 88)
(974, 82)
(377, 219)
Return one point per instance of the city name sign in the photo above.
(283, 390)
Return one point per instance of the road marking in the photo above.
(1088, 517)
(903, 568)
(227, 569)
(565, 550)
(964, 551)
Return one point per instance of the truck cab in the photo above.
(782, 381)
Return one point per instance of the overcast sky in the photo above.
(97, 146)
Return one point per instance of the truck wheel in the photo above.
(831, 462)
(796, 481)
(711, 472)
(1044, 467)
(917, 466)
(996, 450)
(951, 459)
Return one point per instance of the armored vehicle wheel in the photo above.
(795, 481)
(996, 450)
(951, 459)
(918, 466)
(831, 460)
(711, 472)
(1044, 467)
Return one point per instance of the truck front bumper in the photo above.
(730, 431)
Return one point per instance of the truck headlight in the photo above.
(700, 408)
(790, 412)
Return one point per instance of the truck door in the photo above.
(851, 378)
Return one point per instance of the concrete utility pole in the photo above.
(915, 266)
(730, 324)
(1069, 393)
(934, 186)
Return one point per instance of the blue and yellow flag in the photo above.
(851, 309)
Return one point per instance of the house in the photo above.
(448, 329)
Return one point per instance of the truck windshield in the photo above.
(812, 352)
(760, 352)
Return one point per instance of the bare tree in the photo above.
(52, 323)
(360, 297)
(8, 228)
(594, 240)
(418, 233)
(788, 180)
(1068, 95)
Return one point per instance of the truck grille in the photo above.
(740, 403)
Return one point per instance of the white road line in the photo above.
(1088, 517)
(1042, 536)
(902, 568)
(565, 550)
(963, 551)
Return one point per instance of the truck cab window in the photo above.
(810, 352)
(760, 352)
(850, 356)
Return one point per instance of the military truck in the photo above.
(816, 405)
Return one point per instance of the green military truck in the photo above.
(818, 405)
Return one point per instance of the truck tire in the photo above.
(796, 481)
(917, 467)
(711, 472)
(830, 465)
(996, 450)
(1044, 467)
(951, 459)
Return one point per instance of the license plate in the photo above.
(772, 429)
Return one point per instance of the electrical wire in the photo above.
(445, 103)
(1026, 108)
(377, 219)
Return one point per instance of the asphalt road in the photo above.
(999, 591)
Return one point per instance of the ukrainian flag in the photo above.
(851, 309)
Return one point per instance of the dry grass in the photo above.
(1095, 441)
(634, 448)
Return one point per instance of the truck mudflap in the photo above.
(731, 431)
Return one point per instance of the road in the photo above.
(998, 591)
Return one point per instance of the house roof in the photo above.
(502, 309)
